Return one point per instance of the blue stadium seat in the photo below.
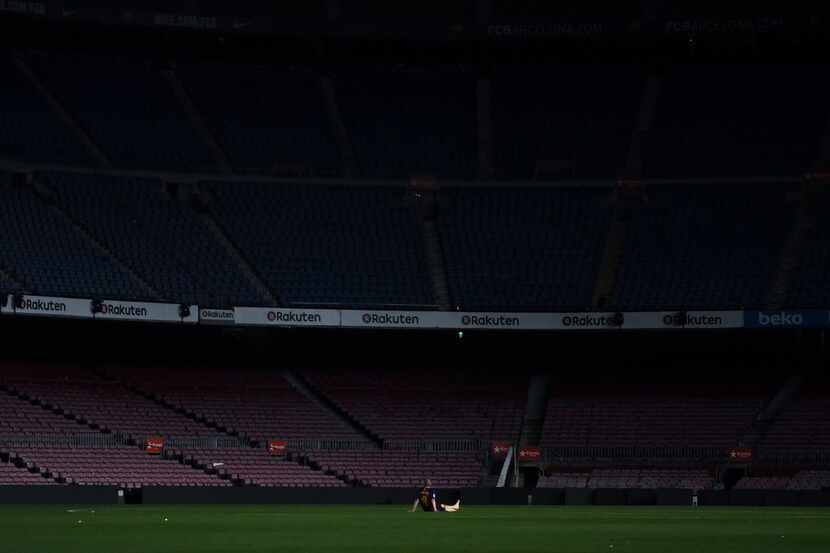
(703, 247)
(49, 257)
(317, 246)
(160, 238)
(808, 286)
(523, 248)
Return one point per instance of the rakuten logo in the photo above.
(780, 319)
(216, 315)
(489, 320)
(292, 317)
(123, 310)
(399, 319)
(701, 320)
(587, 321)
(43, 306)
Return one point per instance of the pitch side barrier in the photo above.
(463, 320)
(480, 496)
(247, 495)
(103, 309)
(106, 309)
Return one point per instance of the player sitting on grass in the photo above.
(428, 499)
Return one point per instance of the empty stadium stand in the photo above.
(807, 283)
(18, 416)
(257, 467)
(259, 405)
(11, 475)
(403, 468)
(801, 431)
(98, 404)
(8, 285)
(262, 406)
(157, 236)
(689, 417)
(428, 404)
(523, 249)
(61, 401)
(47, 256)
(694, 246)
(124, 466)
(390, 428)
(344, 247)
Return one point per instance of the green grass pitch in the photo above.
(253, 529)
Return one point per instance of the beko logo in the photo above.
(489, 320)
(292, 317)
(780, 319)
(390, 319)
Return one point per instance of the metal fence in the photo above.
(101, 440)
(324, 444)
(205, 442)
(814, 458)
(437, 446)
(83, 440)
(554, 454)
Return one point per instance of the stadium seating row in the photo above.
(50, 415)
(683, 247)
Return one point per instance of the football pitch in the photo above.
(250, 529)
